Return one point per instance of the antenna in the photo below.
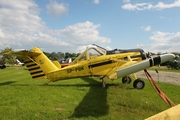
(30, 44)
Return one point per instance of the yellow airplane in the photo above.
(94, 61)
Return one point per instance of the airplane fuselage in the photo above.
(103, 65)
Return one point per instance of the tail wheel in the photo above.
(126, 79)
(139, 84)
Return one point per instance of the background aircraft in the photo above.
(19, 62)
(94, 61)
(65, 62)
(174, 64)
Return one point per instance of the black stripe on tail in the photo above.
(34, 69)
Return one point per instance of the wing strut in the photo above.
(158, 90)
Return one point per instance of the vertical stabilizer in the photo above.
(37, 62)
(42, 60)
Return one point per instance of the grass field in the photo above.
(80, 98)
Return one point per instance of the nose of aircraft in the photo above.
(144, 64)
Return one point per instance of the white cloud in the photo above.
(165, 41)
(83, 33)
(1, 34)
(18, 17)
(56, 9)
(21, 15)
(21, 27)
(138, 6)
(165, 18)
(166, 37)
(108, 48)
(81, 48)
(148, 6)
(162, 42)
(148, 28)
(126, 1)
(96, 1)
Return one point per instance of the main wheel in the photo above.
(139, 84)
(126, 79)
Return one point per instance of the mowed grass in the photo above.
(80, 98)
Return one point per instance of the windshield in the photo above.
(93, 53)
(88, 54)
(102, 50)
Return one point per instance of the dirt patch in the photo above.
(168, 77)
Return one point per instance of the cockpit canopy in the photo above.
(89, 53)
(95, 50)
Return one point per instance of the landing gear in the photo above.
(126, 79)
(103, 83)
(139, 84)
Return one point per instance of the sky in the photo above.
(71, 25)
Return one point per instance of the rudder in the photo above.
(34, 69)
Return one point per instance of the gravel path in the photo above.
(169, 77)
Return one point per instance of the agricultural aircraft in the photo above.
(94, 61)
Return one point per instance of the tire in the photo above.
(126, 79)
(139, 84)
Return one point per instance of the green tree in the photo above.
(54, 56)
(159, 53)
(61, 55)
(176, 53)
(47, 54)
(8, 59)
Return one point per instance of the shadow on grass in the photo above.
(66, 85)
(7, 83)
(94, 103)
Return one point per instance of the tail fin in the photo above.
(34, 69)
(37, 62)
